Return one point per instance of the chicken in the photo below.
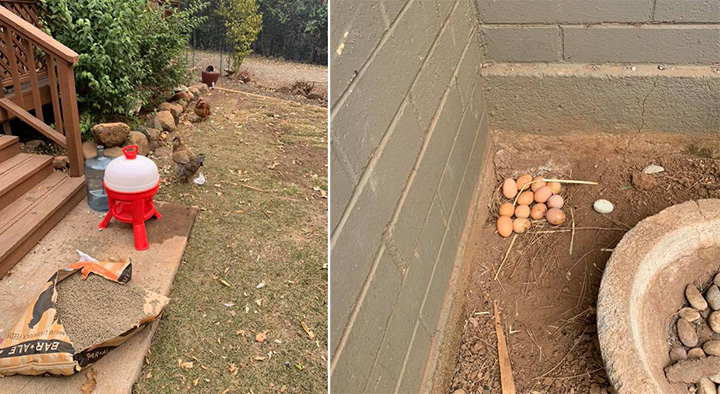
(202, 108)
(186, 164)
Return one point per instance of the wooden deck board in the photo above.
(19, 178)
(153, 269)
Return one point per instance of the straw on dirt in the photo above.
(96, 309)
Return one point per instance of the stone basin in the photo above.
(643, 288)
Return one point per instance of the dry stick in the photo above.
(507, 383)
(507, 253)
(565, 230)
(572, 234)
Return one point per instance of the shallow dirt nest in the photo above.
(547, 296)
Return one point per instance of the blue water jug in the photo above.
(94, 173)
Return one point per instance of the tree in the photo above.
(243, 23)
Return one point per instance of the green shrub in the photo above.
(130, 54)
(243, 23)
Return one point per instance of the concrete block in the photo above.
(564, 11)
(355, 249)
(356, 30)
(469, 71)
(521, 43)
(699, 44)
(443, 269)
(363, 118)
(364, 339)
(687, 11)
(386, 371)
(342, 185)
(564, 98)
(459, 158)
(417, 361)
(414, 210)
(438, 70)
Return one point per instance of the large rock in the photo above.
(139, 139)
(153, 136)
(175, 110)
(61, 162)
(34, 145)
(182, 103)
(202, 87)
(195, 91)
(184, 95)
(692, 369)
(89, 149)
(111, 134)
(165, 120)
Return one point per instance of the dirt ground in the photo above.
(546, 294)
(269, 75)
(248, 309)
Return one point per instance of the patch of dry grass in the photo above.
(256, 261)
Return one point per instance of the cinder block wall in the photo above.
(407, 140)
(568, 66)
(601, 31)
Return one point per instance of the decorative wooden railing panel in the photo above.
(36, 66)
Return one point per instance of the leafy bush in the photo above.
(130, 51)
(243, 23)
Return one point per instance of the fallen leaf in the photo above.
(261, 337)
(240, 332)
(228, 304)
(259, 302)
(233, 369)
(187, 364)
(307, 330)
(299, 366)
(196, 381)
(259, 358)
(224, 282)
(273, 165)
(90, 381)
(260, 285)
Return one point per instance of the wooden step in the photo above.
(20, 173)
(27, 219)
(9, 146)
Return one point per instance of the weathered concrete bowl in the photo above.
(643, 287)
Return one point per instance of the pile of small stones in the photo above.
(695, 352)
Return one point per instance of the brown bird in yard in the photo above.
(202, 108)
(186, 164)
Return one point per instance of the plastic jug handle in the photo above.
(130, 151)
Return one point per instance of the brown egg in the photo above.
(505, 226)
(543, 194)
(522, 211)
(538, 183)
(509, 188)
(527, 178)
(507, 209)
(555, 201)
(555, 187)
(538, 211)
(526, 198)
(520, 225)
(555, 216)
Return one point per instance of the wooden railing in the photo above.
(34, 66)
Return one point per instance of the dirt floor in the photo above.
(547, 292)
(248, 309)
(269, 75)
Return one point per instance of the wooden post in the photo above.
(72, 118)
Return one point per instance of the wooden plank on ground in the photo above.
(153, 269)
(507, 382)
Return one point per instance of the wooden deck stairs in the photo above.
(35, 71)
(33, 199)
